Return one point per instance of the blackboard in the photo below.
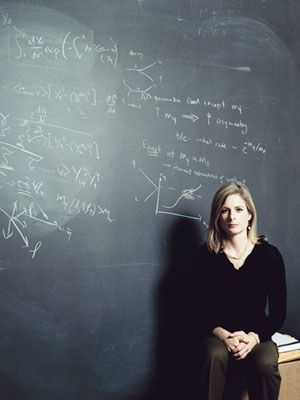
(118, 122)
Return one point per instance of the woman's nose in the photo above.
(231, 216)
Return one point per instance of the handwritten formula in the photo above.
(99, 124)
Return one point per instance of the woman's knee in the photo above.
(265, 361)
(215, 351)
(265, 368)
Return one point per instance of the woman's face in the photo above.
(234, 215)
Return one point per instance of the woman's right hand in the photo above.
(233, 344)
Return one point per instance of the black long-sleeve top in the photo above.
(252, 298)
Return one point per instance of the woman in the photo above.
(243, 275)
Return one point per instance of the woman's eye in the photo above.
(223, 211)
(239, 209)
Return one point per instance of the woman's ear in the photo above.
(249, 222)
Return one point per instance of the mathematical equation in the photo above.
(40, 49)
(63, 100)
(36, 157)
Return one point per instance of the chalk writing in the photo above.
(171, 117)
(81, 100)
(213, 104)
(29, 187)
(4, 127)
(37, 132)
(5, 19)
(151, 150)
(10, 151)
(135, 53)
(80, 175)
(182, 137)
(5, 153)
(70, 104)
(37, 49)
(35, 249)
(227, 124)
(77, 206)
(173, 99)
(255, 147)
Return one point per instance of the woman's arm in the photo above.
(277, 295)
(226, 337)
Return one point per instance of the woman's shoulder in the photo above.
(267, 249)
(204, 262)
(202, 248)
(203, 252)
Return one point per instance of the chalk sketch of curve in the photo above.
(188, 194)
(160, 208)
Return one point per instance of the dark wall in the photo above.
(118, 122)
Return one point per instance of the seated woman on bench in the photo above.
(241, 275)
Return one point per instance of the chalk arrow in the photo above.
(8, 234)
(13, 221)
(191, 116)
(26, 243)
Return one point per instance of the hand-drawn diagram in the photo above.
(161, 186)
(78, 105)
(147, 81)
(19, 220)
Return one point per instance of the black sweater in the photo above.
(237, 299)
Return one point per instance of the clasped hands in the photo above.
(240, 344)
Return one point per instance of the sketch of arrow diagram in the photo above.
(13, 222)
(140, 80)
(190, 116)
(151, 182)
(9, 232)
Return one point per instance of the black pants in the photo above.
(223, 378)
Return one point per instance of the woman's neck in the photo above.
(237, 250)
(236, 244)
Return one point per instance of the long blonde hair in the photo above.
(216, 235)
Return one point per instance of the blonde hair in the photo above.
(216, 235)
